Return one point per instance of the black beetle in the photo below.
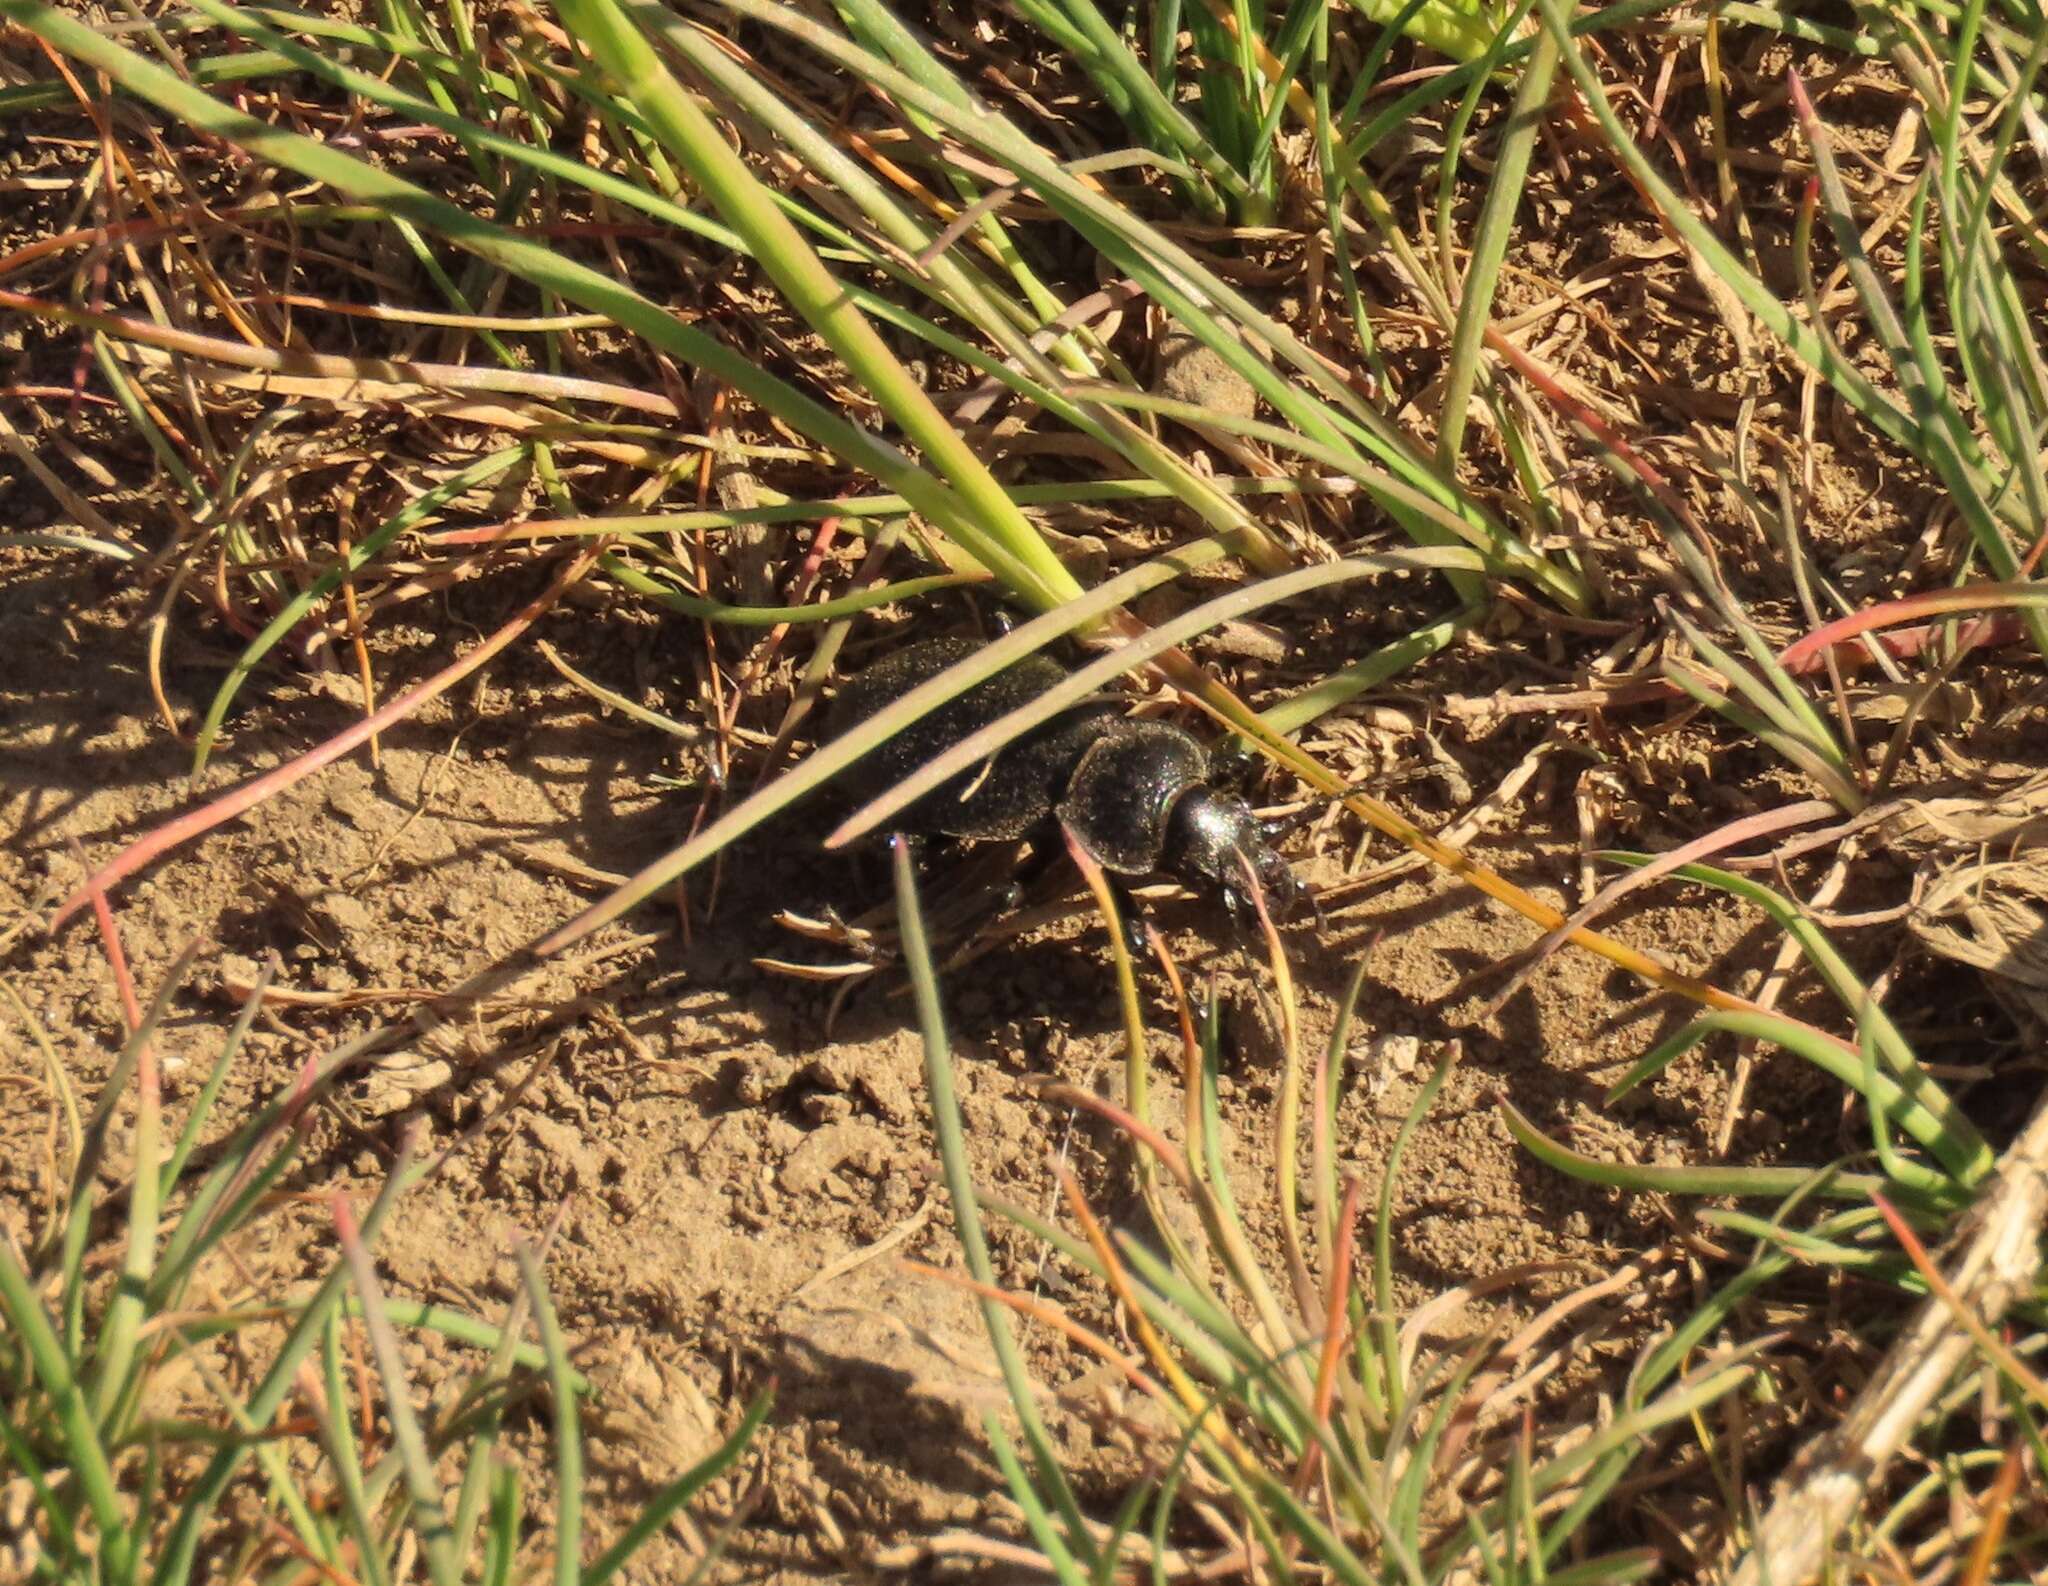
(1136, 794)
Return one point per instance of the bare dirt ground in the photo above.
(711, 1153)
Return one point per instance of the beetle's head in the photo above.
(1212, 837)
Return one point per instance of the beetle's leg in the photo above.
(1038, 859)
(1239, 908)
(1045, 853)
(1130, 915)
(1302, 891)
(1276, 829)
(970, 918)
(1282, 889)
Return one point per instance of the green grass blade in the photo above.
(179, 1550)
(1833, 1058)
(657, 1513)
(223, 1202)
(952, 1140)
(568, 1430)
(430, 1513)
(83, 1197)
(60, 1517)
(689, 605)
(413, 513)
(1066, 1569)
(83, 1450)
(1384, 1328)
(501, 1540)
(209, 1091)
(1771, 1182)
(114, 1350)
(345, 1459)
(207, 71)
(1489, 247)
(1368, 672)
(1109, 59)
(1460, 31)
(1893, 1269)
(480, 1465)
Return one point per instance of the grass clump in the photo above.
(162, 1435)
(1309, 1423)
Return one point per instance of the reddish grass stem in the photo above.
(148, 849)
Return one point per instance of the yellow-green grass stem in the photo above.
(959, 517)
(989, 524)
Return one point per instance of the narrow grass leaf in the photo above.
(952, 1141)
(1390, 1386)
(1489, 247)
(345, 1459)
(201, 1110)
(84, 1453)
(665, 1504)
(359, 556)
(567, 1425)
(430, 1514)
(1772, 1183)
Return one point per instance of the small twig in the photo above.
(861, 1257)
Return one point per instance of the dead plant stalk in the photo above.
(1824, 1490)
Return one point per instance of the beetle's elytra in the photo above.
(1135, 794)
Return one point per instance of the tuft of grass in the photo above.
(138, 1404)
(1934, 1175)
(1306, 1420)
(1215, 105)
(1309, 1424)
(1963, 388)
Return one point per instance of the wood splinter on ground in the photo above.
(1825, 1488)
